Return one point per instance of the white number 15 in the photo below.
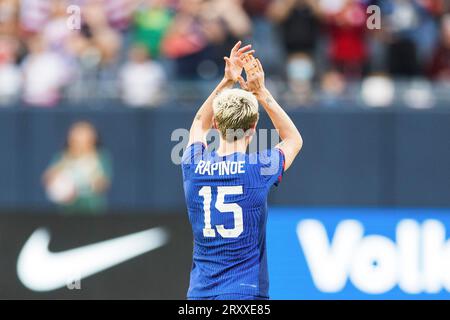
(208, 231)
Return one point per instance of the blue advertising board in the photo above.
(358, 253)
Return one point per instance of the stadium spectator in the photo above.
(34, 14)
(235, 24)
(9, 10)
(188, 39)
(440, 65)
(98, 30)
(264, 37)
(233, 15)
(332, 87)
(10, 74)
(55, 32)
(299, 24)
(98, 50)
(45, 74)
(150, 24)
(141, 79)
(119, 13)
(79, 176)
(411, 36)
(346, 25)
(377, 90)
(300, 73)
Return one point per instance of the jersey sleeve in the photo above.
(272, 164)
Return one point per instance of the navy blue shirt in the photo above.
(226, 198)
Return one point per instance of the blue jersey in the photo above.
(226, 198)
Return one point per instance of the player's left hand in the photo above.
(255, 76)
(235, 62)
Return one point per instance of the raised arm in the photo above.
(291, 140)
(233, 68)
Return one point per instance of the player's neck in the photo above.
(227, 148)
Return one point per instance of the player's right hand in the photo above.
(235, 62)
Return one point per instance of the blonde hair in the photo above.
(235, 112)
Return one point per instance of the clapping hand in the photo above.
(235, 62)
(255, 75)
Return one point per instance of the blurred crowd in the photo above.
(144, 50)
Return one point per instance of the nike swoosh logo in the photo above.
(41, 270)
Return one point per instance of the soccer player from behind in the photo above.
(226, 189)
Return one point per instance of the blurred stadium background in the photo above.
(86, 123)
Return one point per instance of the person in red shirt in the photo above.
(348, 50)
